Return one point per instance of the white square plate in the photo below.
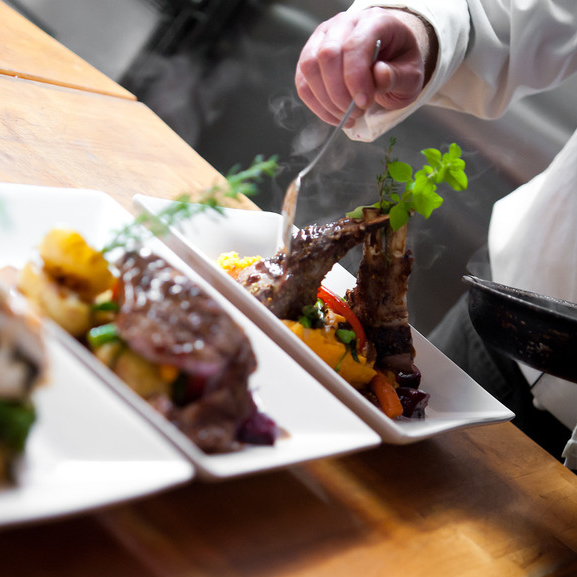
(457, 401)
(318, 425)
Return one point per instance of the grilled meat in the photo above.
(169, 320)
(287, 283)
(379, 300)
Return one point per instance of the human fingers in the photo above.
(397, 77)
(336, 64)
(398, 84)
(318, 77)
(407, 63)
(318, 107)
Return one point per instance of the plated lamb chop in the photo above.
(287, 283)
(379, 300)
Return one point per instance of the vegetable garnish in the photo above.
(107, 306)
(339, 306)
(384, 388)
(16, 420)
(312, 317)
(101, 334)
(419, 194)
(238, 182)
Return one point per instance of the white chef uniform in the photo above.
(491, 53)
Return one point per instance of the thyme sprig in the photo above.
(238, 182)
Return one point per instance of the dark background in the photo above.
(220, 73)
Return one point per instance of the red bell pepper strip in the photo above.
(340, 307)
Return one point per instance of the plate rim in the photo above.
(389, 430)
(199, 460)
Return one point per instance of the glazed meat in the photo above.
(379, 300)
(169, 320)
(287, 283)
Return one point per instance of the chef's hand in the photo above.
(335, 64)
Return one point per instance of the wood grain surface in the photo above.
(484, 502)
(57, 136)
(28, 52)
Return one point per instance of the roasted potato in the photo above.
(55, 301)
(144, 377)
(69, 259)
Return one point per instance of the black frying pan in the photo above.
(537, 330)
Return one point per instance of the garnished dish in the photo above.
(23, 368)
(154, 327)
(95, 441)
(366, 336)
(158, 331)
(456, 401)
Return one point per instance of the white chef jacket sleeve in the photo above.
(450, 20)
(491, 53)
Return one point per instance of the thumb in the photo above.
(396, 86)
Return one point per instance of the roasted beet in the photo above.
(410, 379)
(414, 402)
(258, 429)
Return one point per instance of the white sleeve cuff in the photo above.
(451, 23)
(570, 452)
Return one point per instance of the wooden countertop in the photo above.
(57, 136)
(482, 502)
(28, 52)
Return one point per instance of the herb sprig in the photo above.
(238, 182)
(419, 194)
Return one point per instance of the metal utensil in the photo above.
(538, 330)
(291, 196)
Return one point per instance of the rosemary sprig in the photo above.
(238, 182)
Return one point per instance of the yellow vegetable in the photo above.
(56, 302)
(142, 376)
(109, 352)
(326, 345)
(232, 263)
(74, 264)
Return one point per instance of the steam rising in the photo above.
(241, 102)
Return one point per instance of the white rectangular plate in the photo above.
(457, 401)
(317, 424)
(87, 449)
